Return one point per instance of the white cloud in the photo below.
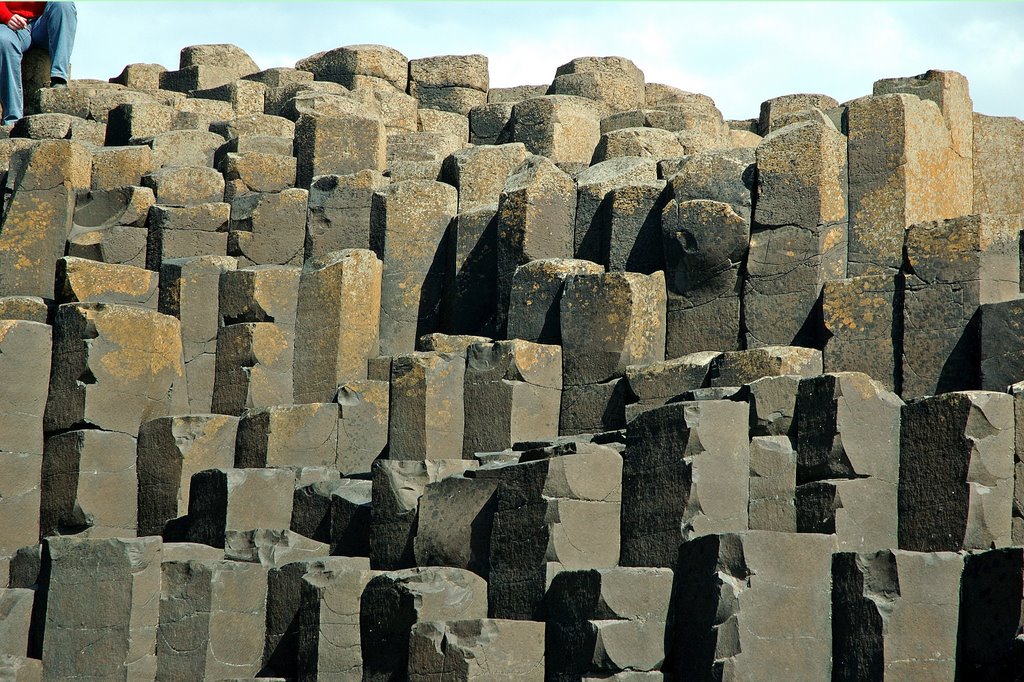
(738, 53)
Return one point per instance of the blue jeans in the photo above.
(54, 30)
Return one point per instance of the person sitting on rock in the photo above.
(31, 24)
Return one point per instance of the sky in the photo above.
(738, 53)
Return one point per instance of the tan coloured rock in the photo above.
(254, 367)
(24, 370)
(342, 64)
(212, 619)
(480, 173)
(767, 613)
(954, 266)
(643, 142)
(258, 172)
(427, 414)
(88, 281)
(563, 128)
(610, 321)
(329, 623)
(223, 500)
(778, 112)
(117, 641)
(338, 145)
(614, 81)
(339, 212)
(746, 366)
(132, 358)
(114, 167)
(140, 76)
(38, 217)
(170, 450)
(244, 96)
(408, 225)
(222, 55)
(302, 435)
(476, 649)
(512, 394)
(426, 594)
(903, 170)
(338, 322)
(363, 424)
(189, 291)
(536, 213)
(998, 165)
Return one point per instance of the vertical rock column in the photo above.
(329, 636)
(684, 474)
(608, 321)
(351, 140)
(705, 236)
(394, 602)
(753, 606)
(38, 214)
(118, 640)
(863, 318)
(212, 619)
(535, 300)
(255, 345)
(1017, 530)
(536, 213)
(903, 170)
(989, 644)
(189, 291)
(998, 164)
(338, 214)
(476, 649)
(950, 91)
(24, 381)
(337, 323)
(513, 391)
(594, 185)
(705, 244)
(115, 367)
(170, 450)
(607, 621)
(799, 237)
(894, 615)
(848, 460)
(427, 413)
(409, 224)
(394, 511)
(953, 267)
(956, 472)
(550, 515)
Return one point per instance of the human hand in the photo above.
(17, 23)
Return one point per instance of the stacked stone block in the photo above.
(364, 369)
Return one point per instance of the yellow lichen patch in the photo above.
(147, 343)
(269, 343)
(91, 280)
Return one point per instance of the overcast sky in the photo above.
(739, 53)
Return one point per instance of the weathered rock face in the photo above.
(672, 454)
(102, 601)
(973, 431)
(364, 369)
(903, 170)
(38, 213)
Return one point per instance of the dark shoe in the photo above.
(58, 83)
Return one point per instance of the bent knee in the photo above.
(10, 43)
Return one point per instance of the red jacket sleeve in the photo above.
(29, 10)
